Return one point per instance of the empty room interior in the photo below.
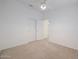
(38, 29)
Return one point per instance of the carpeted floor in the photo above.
(41, 49)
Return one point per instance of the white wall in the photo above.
(63, 27)
(16, 24)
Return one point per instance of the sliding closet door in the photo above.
(39, 30)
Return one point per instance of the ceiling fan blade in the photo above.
(25, 3)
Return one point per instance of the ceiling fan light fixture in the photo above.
(43, 6)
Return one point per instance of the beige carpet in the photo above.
(39, 50)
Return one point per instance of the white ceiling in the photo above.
(52, 5)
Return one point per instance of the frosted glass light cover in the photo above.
(43, 6)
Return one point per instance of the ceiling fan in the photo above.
(30, 3)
